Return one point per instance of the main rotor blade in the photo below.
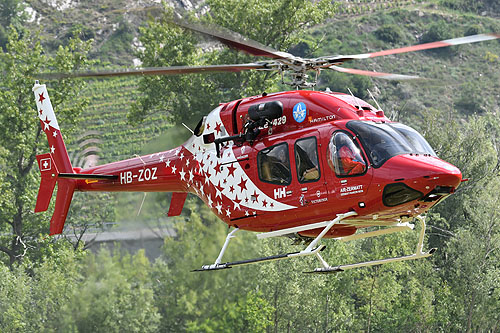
(174, 70)
(419, 47)
(385, 76)
(235, 40)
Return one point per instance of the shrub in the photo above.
(389, 33)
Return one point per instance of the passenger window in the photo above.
(274, 165)
(344, 157)
(306, 159)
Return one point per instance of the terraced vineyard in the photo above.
(104, 134)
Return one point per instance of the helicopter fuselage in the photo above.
(290, 172)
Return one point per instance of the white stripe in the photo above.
(398, 77)
(45, 105)
(469, 39)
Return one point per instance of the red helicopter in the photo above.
(307, 164)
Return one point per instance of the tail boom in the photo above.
(162, 172)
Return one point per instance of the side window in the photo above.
(344, 157)
(274, 165)
(306, 159)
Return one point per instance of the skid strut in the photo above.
(311, 249)
(417, 255)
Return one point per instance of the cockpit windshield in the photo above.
(385, 140)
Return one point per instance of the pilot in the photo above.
(351, 162)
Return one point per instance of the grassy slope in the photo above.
(448, 71)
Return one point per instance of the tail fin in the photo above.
(51, 128)
(57, 161)
(48, 171)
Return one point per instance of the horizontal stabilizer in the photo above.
(86, 176)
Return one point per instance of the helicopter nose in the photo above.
(417, 168)
(417, 176)
(439, 173)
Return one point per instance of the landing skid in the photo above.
(313, 249)
(327, 269)
(214, 267)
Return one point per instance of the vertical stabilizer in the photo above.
(52, 164)
(51, 128)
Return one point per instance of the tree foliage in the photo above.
(21, 131)
(186, 98)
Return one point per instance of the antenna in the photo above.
(354, 98)
(371, 95)
(190, 130)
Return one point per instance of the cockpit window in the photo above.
(200, 127)
(273, 164)
(344, 157)
(385, 140)
(417, 141)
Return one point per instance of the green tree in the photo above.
(193, 300)
(187, 97)
(34, 295)
(10, 13)
(114, 295)
(466, 226)
(21, 131)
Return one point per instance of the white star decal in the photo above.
(190, 175)
(209, 201)
(201, 188)
(176, 152)
(54, 134)
(228, 213)
(219, 208)
(167, 163)
(187, 161)
(161, 158)
(182, 156)
(173, 169)
(182, 173)
(52, 149)
(246, 213)
(236, 205)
